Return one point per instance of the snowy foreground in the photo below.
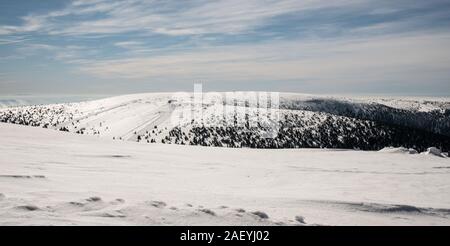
(50, 177)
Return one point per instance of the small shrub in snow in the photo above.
(300, 219)
(158, 204)
(207, 211)
(94, 199)
(28, 207)
(261, 215)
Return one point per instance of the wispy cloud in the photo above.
(329, 61)
(30, 24)
(340, 41)
(12, 40)
(71, 54)
(165, 17)
(98, 18)
(130, 44)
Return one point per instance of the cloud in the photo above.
(129, 44)
(401, 58)
(163, 17)
(69, 54)
(12, 40)
(34, 48)
(85, 18)
(31, 23)
(325, 42)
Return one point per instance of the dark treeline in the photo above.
(333, 132)
(36, 116)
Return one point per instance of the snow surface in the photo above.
(49, 177)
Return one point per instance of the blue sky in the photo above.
(315, 46)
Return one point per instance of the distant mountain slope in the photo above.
(436, 120)
(304, 121)
(316, 130)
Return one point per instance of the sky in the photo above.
(372, 47)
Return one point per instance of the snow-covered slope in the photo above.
(56, 178)
(431, 115)
(305, 121)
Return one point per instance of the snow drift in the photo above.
(49, 177)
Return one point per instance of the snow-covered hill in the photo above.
(304, 121)
(49, 177)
